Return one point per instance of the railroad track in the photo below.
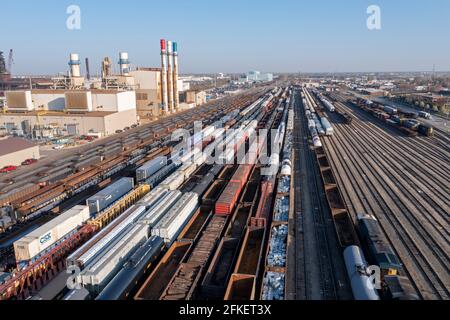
(432, 186)
(373, 185)
(315, 265)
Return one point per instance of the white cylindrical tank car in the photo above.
(326, 125)
(356, 264)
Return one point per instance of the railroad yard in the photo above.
(339, 185)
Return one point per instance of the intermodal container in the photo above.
(109, 195)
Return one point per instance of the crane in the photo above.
(10, 62)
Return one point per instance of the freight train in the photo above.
(403, 121)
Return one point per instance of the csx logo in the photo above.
(46, 238)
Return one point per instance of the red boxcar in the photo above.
(228, 199)
(241, 175)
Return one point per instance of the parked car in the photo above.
(8, 169)
(119, 131)
(134, 126)
(29, 162)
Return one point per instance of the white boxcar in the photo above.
(156, 212)
(152, 197)
(170, 226)
(173, 182)
(187, 170)
(50, 233)
(95, 245)
(111, 259)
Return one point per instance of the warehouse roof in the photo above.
(10, 145)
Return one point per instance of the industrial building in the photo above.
(257, 76)
(72, 112)
(14, 151)
(75, 105)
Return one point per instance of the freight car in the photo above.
(359, 278)
(96, 275)
(109, 195)
(77, 295)
(43, 239)
(176, 218)
(327, 127)
(150, 168)
(160, 208)
(86, 253)
(134, 268)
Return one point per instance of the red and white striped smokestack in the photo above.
(175, 77)
(164, 93)
(170, 76)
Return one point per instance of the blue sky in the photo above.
(231, 35)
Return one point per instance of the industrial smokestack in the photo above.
(164, 95)
(106, 67)
(170, 75)
(124, 63)
(175, 77)
(88, 72)
(74, 64)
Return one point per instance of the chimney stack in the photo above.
(164, 95)
(170, 76)
(106, 68)
(124, 64)
(74, 64)
(175, 77)
(88, 72)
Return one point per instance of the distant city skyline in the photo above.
(232, 36)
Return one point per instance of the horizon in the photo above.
(281, 38)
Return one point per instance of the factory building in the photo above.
(192, 97)
(70, 112)
(257, 76)
(148, 90)
(14, 151)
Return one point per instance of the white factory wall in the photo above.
(114, 102)
(48, 101)
(16, 158)
(118, 121)
(183, 86)
(104, 102)
(126, 101)
(105, 124)
(146, 80)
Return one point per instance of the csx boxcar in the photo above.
(43, 238)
